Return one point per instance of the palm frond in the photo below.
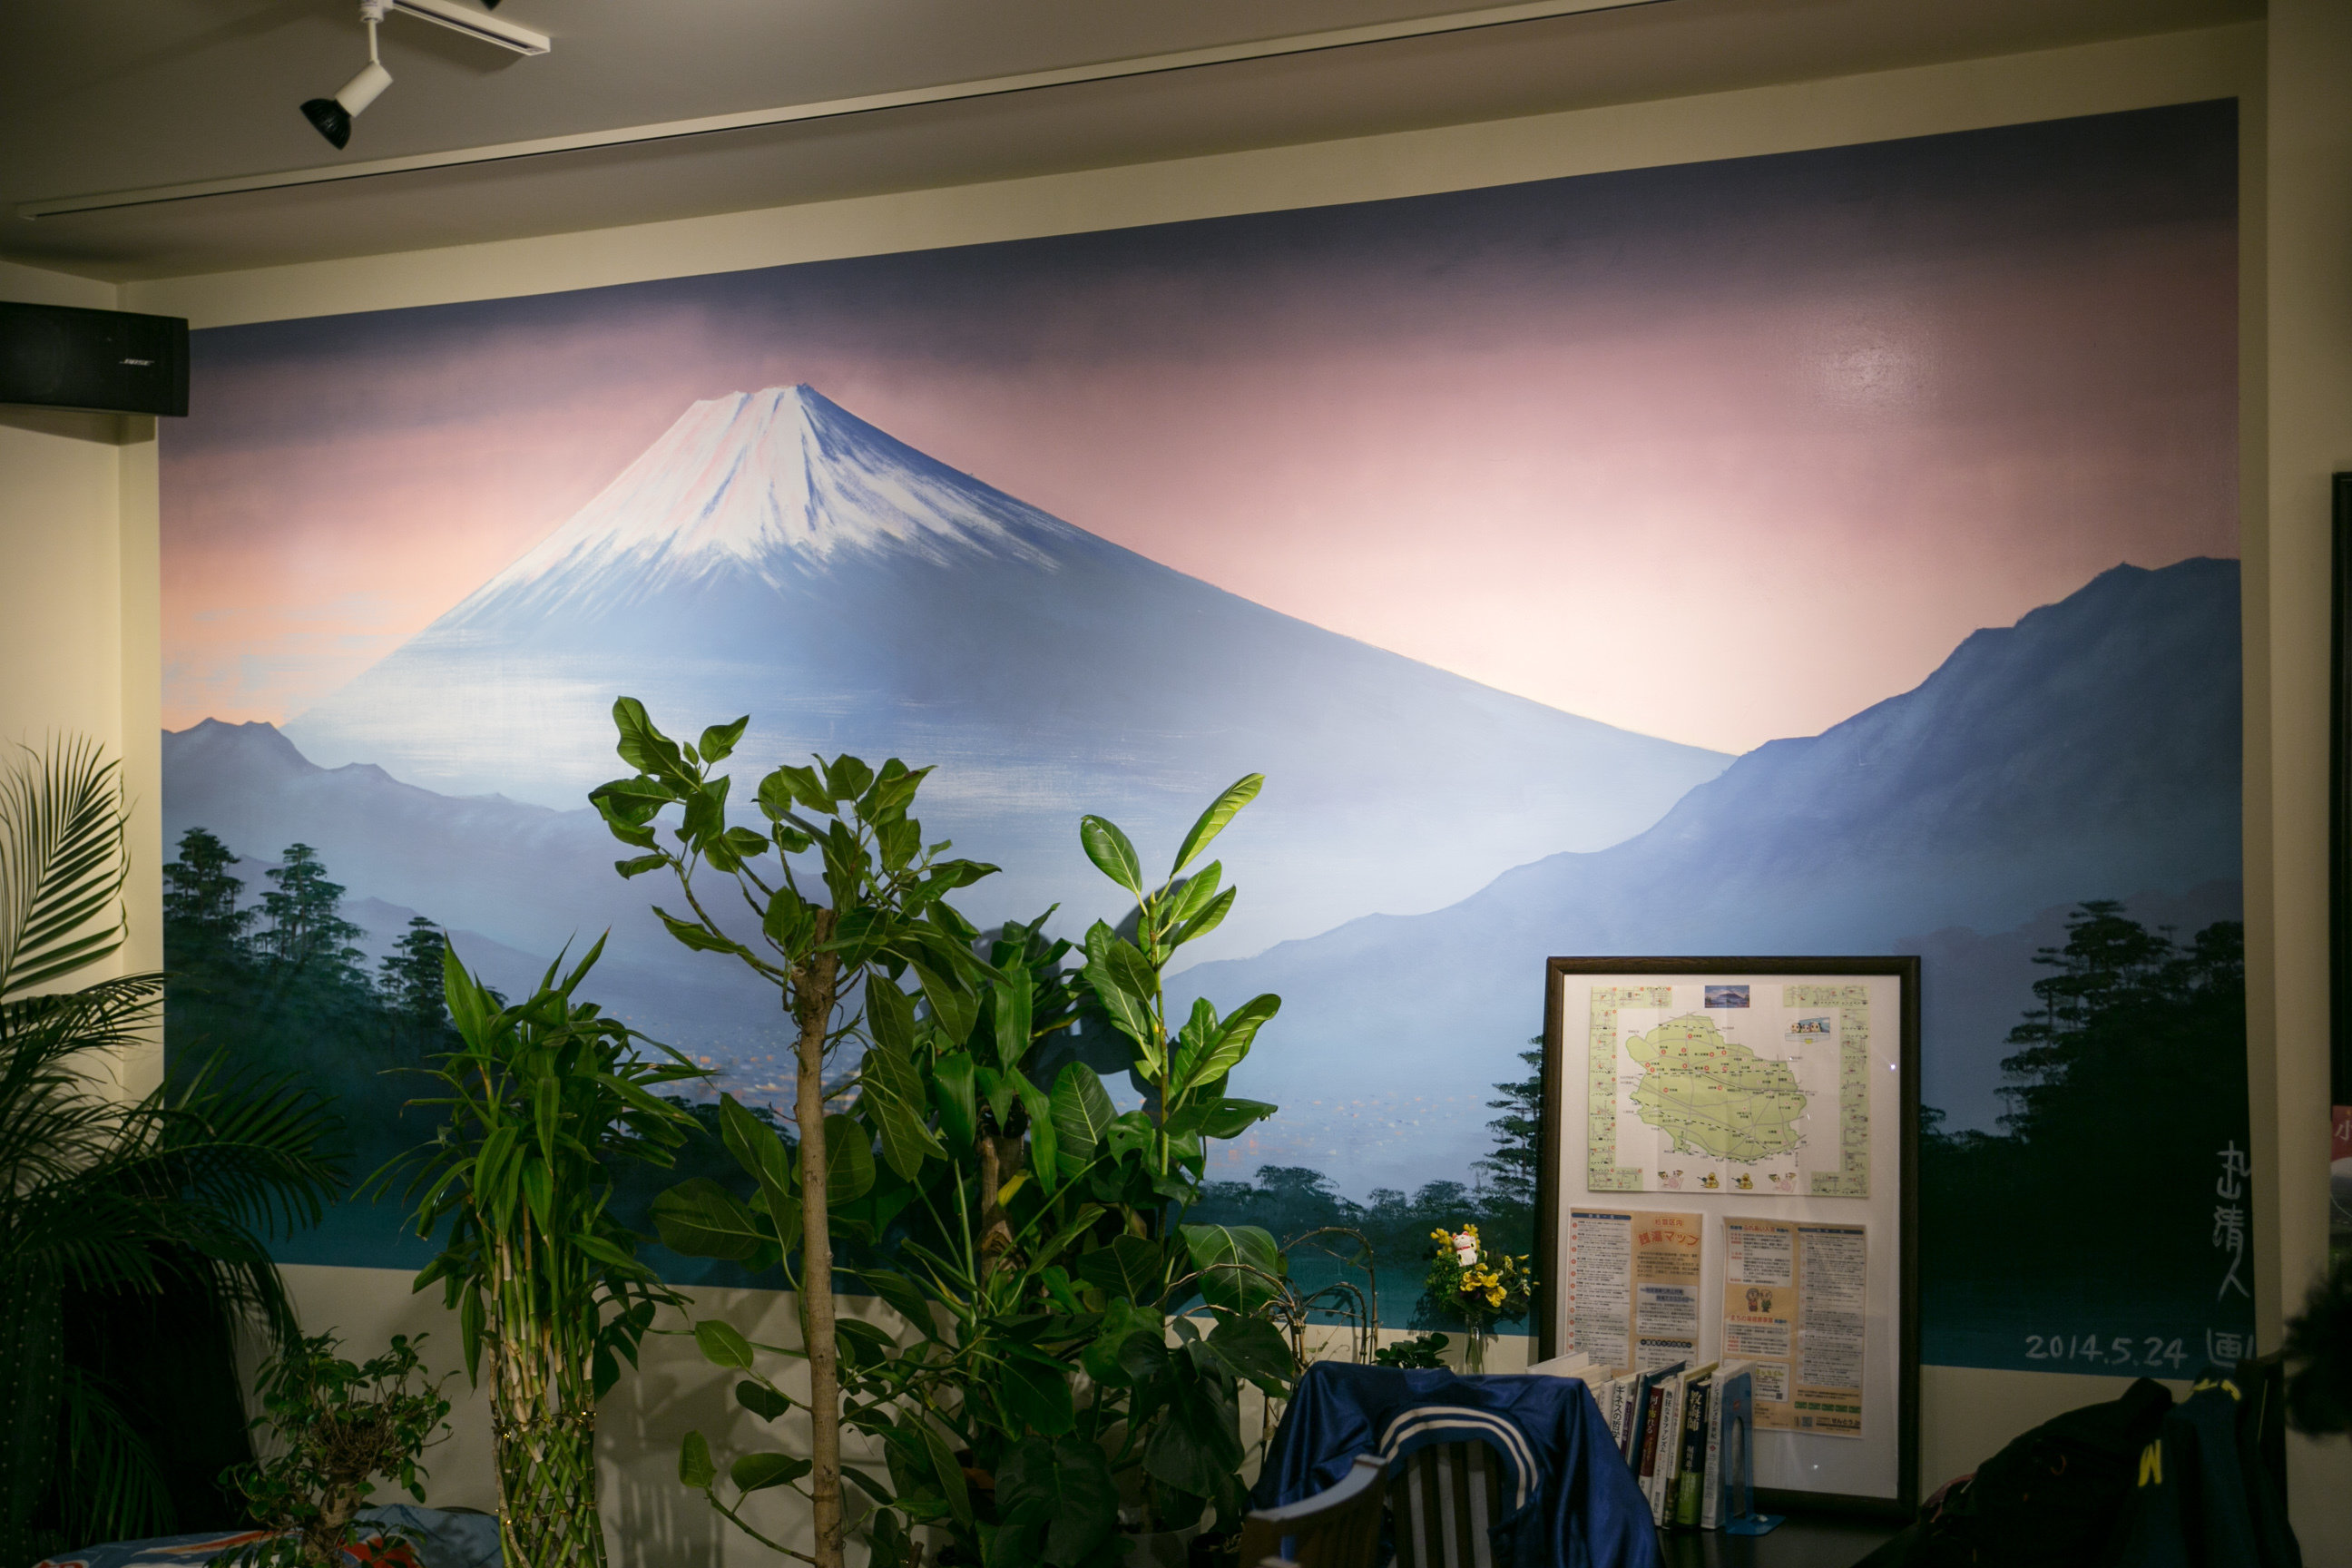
(118, 1491)
(61, 864)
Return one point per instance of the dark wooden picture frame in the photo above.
(2339, 807)
(1551, 1197)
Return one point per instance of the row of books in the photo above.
(1687, 1433)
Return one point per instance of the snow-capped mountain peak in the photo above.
(774, 481)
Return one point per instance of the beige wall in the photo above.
(79, 640)
(78, 633)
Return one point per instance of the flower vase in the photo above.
(1473, 1351)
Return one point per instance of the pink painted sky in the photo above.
(1719, 454)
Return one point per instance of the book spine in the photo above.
(1694, 1468)
(1670, 1448)
(1709, 1484)
(1649, 1467)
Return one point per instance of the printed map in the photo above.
(1714, 1097)
(1756, 1088)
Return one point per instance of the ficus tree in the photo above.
(852, 892)
(1032, 1238)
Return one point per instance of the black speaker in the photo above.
(109, 360)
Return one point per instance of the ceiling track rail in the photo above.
(835, 108)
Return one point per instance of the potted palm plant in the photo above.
(107, 1201)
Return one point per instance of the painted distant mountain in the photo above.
(2091, 751)
(772, 554)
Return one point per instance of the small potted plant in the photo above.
(337, 1424)
(1478, 1286)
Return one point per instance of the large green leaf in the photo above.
(1238, 1265)
(694, 1466)
(903, 1294)
(1220, 1117)
(701, 1219)
(1111, 851)
(848, 1160)
(1042, 1140)
(759, 1150)
(1082, 1113)
(893, 1092)
(719, 740)
(1036, 1395)
(761, 1400)
(948, 1473)
(645, 748)
(757, 1472)
(723, 1344)
(1129, 1267)
(1125, 992)
(1239, 794)
(1196, 1446)
(953, 1003)
(1013, 998)
(1063, 1486)
(1252, 1348)
(1231, 1041)
(957, 1080)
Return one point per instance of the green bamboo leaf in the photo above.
(1111, 851)
(637, 865)
(1212, 821)
(694, 1467)
(723, 1344)
(469, 1333)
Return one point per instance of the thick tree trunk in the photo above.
(811, 999)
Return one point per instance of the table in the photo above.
(1816, 1543)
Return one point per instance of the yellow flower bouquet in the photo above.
(1480, 1285)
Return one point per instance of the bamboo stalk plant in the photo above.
(544, 1099)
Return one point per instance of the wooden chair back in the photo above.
(1339, 1527)
(1443, 1500)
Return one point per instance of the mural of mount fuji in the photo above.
(1826, 552)
(774, 553)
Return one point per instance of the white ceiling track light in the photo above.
(332, 117)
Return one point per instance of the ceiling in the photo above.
(115, 95)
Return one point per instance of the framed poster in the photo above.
(1727, 1161)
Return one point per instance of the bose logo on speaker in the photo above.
(139, 361)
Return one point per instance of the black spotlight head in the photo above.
(332, 120)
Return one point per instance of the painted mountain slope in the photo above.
(2090, 751)
(773, 553)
